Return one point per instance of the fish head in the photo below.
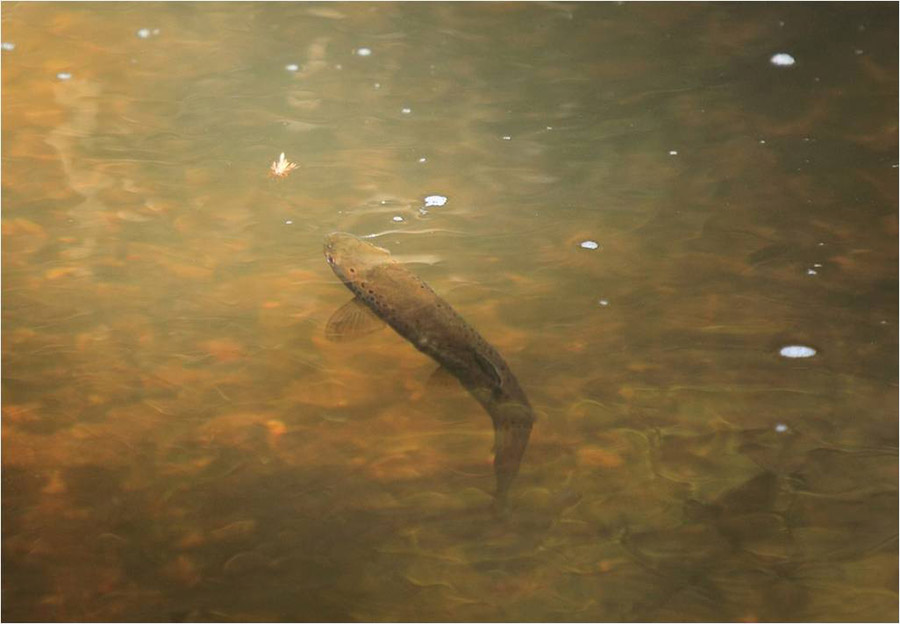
(350, 256)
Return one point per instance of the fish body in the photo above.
(409, 305)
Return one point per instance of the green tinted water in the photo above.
(180, 441)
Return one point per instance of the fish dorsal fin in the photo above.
(352, 320)
(489, 368)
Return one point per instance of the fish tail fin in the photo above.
(512, 429)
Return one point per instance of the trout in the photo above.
(398, 297)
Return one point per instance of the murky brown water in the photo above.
(180, 441)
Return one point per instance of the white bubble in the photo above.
(797, 351)
(423, 159)
(673, 152)
(292, 67)
(63, 75)
(143, 33)
(8, 45)
(405, 110)
(781, 427)
(782, 59)
(589, 244)
(377, 85)
(507, 138)
(288, 222)
(363, 52)
(604, 302)
(435, 200)
(398, 219)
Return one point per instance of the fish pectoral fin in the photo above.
(489, 369)
(352, 320)
(442, 378)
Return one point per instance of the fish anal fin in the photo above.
(352, 320)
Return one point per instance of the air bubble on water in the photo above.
(797, 351)
(782, 59)
(435, 200)
(589, 244)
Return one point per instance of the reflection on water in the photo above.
(181, 442)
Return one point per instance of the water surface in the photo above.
(181, 442)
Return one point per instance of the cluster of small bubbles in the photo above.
(64, 75)
(589, 244)
(292, 67)
(8, 46)
(406, 110)
(782, 59)
(797, 351)
(363, 52)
